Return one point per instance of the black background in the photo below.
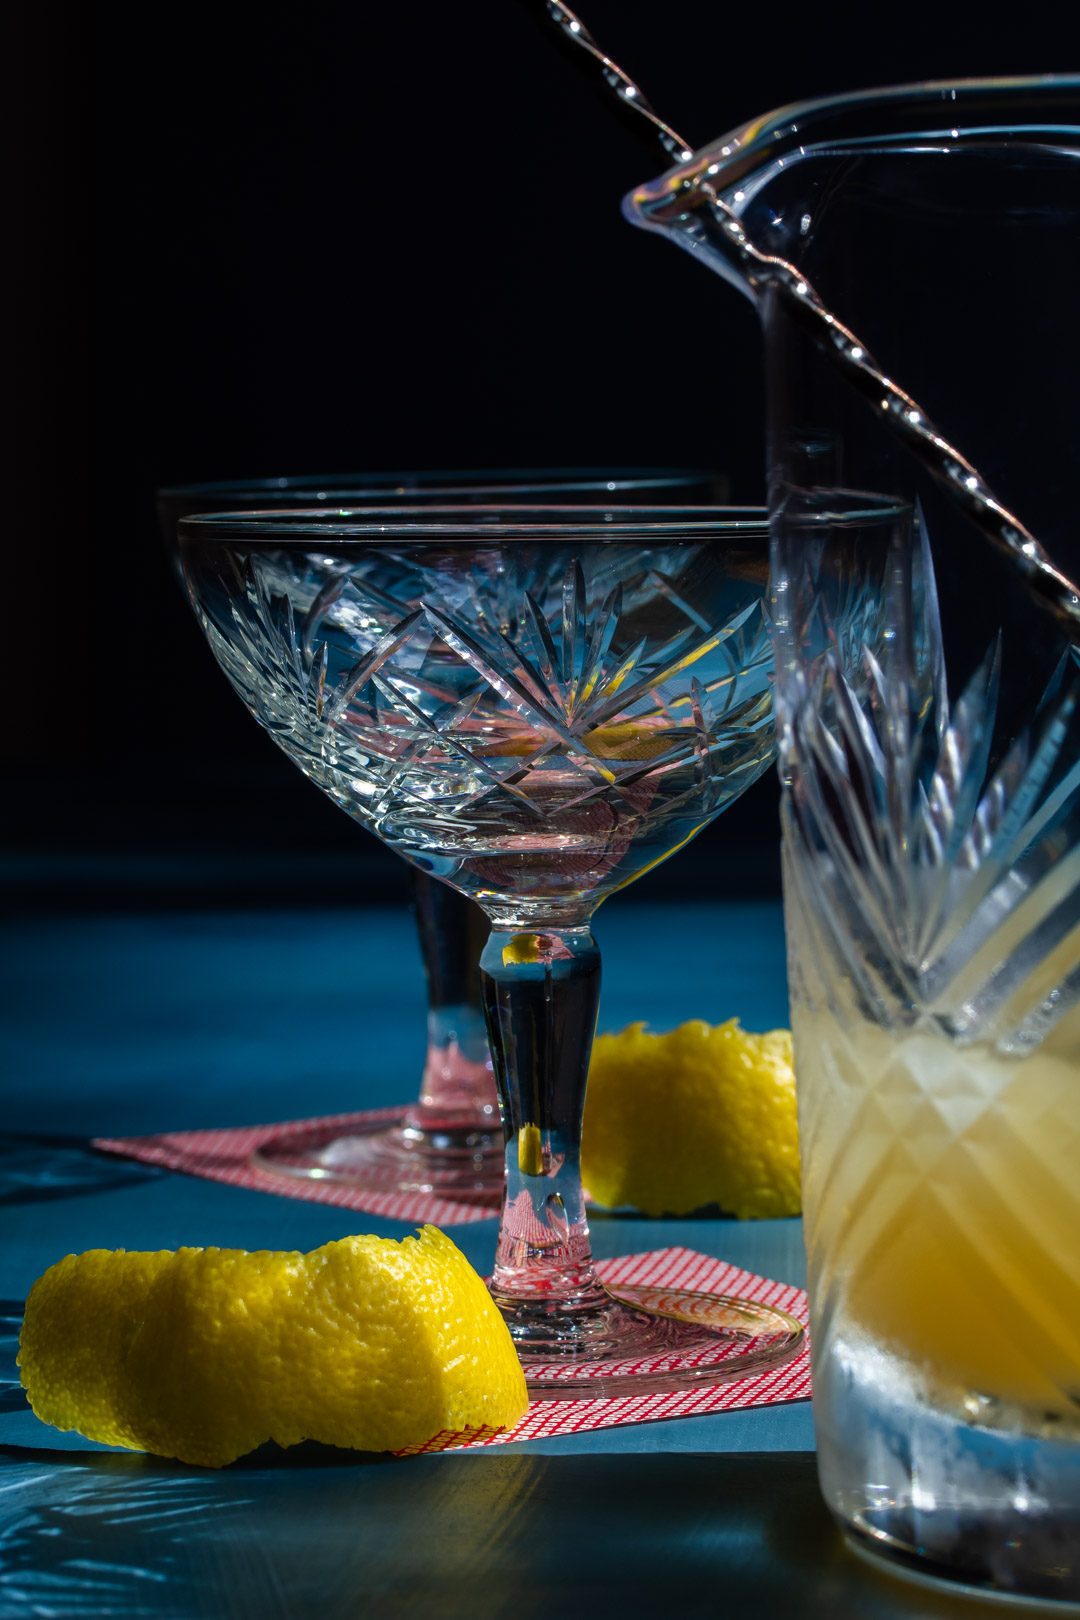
(255, 239)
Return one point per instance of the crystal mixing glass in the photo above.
(915, 257)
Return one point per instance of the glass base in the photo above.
(463, 1163)
(634, 1340)
(946, 1482)
(891, 1543)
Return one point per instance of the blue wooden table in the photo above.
(115, 1025)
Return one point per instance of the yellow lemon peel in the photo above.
(204, 1354)
(633, 739)
(703, 1115)
(629, 739)
(530, 1151)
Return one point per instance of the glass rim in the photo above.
(431, 481)
(475, 523)
(963, 108)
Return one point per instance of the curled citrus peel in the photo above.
(204, 1354)
(703, 1115)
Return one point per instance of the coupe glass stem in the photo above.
(457, 1092)
(541, 993)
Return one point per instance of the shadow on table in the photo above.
(506, 1535)
(36, 1169)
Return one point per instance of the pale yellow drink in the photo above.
(942, 1197)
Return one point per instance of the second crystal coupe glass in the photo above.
(536, 707)
(447, 1141)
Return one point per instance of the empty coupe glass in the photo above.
(448, 1141)
(535, 707)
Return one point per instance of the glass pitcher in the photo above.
(915, 257)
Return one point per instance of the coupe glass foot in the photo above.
(454, 1163)
(634, 1340)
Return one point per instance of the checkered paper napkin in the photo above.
(225, 1155)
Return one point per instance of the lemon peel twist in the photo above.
(204, 1354)
(699, 1116)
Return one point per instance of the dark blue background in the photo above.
(266, 238)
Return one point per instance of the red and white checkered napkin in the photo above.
(665, 1268)
(225, 1155)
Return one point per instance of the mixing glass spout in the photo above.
(911, 250)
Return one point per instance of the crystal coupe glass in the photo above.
(535, 707)
(448, 1141)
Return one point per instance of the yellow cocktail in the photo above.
(943, 1206)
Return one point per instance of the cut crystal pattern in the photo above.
(932, 866)
(542, 721)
